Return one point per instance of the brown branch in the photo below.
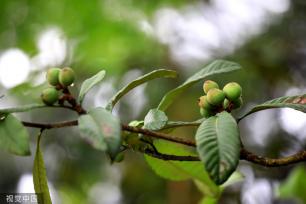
(269, 162)
(159, 135)
(244, 154)
(71, 100)
(168, 157)
(51, 125)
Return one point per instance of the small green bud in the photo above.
(232, 91)
(49, 96)
(66, 76)
(209, 84)
(52, 76)
(215, 96)
(205, 113)
(226, 103)
(237, 103)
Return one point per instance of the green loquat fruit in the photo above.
(215, 97)
(52, 76)
(49, 96)
(205, 113)
(232, 91)
(209, 84)
(237, 103)
(203, 103)
(66, 76)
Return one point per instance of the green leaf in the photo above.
(155, 120)
(89, 83)
(208, 200)
(216, 67)
(207, 197)
(40, 178)
(102, 130)
(176, 124)
(14, 137)
(218, 145)
(180, 170)
(234, 178)
(136, 123)
(91, 132)
(21, 108)
(294, 102)
(141, 80)
(294, 186)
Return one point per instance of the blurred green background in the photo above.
(128, 38)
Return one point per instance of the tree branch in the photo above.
(51, 125)
(244, 154)
(269, 162)
(159, 135)
(168, 157)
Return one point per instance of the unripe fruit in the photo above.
(49, 96)
(215, 97)
(203, 103)
(209, 84)
(52, 76)
(205, 113)
(232, 91)
(226, 103)
(66, 76)
(237, 103)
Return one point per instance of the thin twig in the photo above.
(50, 125)
(168, 157)
(159, 135)
(244, 154)
(270, 162)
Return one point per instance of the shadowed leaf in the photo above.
(180, 170)
(22, 108)
(14, 137)
(102, 130)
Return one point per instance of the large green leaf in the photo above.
(13, 135)
(294, 102)
(155, 120)
(180, 170)
(22, 108)
(91, 132)
(216, 67)
(218, 145)
(89, 83)
(39, 177)
(141, 80)
(102, 130)
(294, 186)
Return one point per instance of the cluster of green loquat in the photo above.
(217, 100)
(58, 79)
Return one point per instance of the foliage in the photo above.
(40, 177)
(294, 186)
(217, 139)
